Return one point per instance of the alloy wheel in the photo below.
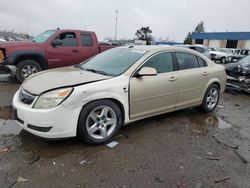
(101, 122)
(212, 98)
(28, 70)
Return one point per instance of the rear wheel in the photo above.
(26, 68)
(99, 121)
(211, 98)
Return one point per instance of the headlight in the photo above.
(52, 98)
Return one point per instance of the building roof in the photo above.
(222, 35)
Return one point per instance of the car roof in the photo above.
(155, 48)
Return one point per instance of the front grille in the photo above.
(26, 97)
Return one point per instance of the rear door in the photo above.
(193, 76)
(150, 95)
(66, 54)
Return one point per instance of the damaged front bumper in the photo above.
(8, 69)
(240, 84)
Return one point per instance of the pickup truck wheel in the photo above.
(26, 68)
(211, 98)
(99, 121)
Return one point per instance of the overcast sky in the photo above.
(171, 19)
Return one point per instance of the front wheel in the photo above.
(211, 98)
(26, 68)
(223, 60)
(99, 121)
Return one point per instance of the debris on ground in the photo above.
(159, 179)
(21, 179)
(209, 153)
(122, 135)
(112, 144)
(4, 150)
(37, 158)
(213, 158)
(220, 106)
(84, 162)
(221, 179)
(54, 163)
(236, 152)
(228, 145)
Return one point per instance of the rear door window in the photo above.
(186, 60)
(86, 39)
(202, 62)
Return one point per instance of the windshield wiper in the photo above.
(96, 71)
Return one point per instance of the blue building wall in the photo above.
(222, 36)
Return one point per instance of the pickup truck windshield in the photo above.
(43, 36)
(113, 62)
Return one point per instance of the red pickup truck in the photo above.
(51, 49)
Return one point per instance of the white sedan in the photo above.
(94, 99)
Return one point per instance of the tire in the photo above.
(223, 60)
(99, 122)
(211, 98)
(26, 68)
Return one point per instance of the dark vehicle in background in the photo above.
(51, 49)
(238, 75)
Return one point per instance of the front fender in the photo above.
(15, 56)
(122, 99)
(115, 89)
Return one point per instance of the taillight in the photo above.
(1, 55)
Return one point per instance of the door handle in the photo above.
(204, 73)
(172, 78)
(75, 51)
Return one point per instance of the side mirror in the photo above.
(56, 42)
(146, 71)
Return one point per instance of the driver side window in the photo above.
(68, 39)
(162, 62)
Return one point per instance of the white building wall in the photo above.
(214, 43)
(247, 45)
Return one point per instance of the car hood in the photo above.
(231, 66)
(60, 77)
(218, 53)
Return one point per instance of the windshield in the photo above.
(113, 62)
(43, 36)
(245, 61)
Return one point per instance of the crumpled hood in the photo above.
(61, 77)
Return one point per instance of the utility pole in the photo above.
(116, 16)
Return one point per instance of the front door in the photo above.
(150, 95)
(66, 54)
